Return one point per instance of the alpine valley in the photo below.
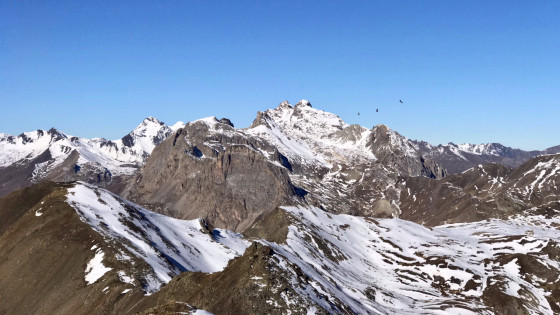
(300, 213)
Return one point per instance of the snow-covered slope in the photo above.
(169, 246)
(390, 266)
(480, 149)
(536, 181)
(177, 125)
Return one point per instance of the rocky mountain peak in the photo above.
(148, 126)
(152, 119)
(284, 104)
(382, 128)
(384, 136)
(226, 121)
(54, 133)
(212, 123)
(309, 120)
(304, 103)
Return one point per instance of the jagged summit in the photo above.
(303, 103)
(212, 121)
(146, 135)
(152, 119)
(284, 104)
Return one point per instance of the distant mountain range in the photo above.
(457, 158)
(298, 213)
(41, 155)
(53, 155)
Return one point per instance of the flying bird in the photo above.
(401, 101)
(377, 110)
(358, 113)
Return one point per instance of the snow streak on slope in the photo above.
(168, 245)
(396, 266)
(547, 172)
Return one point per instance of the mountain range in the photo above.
(298, 213)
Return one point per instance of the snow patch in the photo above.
(95, 268)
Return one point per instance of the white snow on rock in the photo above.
(95, 268)
(124, 278)
(478, 149)
(178, 125)
(138, 144)
(311, 136)
(120, 156)
(168, 245)
(397, 261)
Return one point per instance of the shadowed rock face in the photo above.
(219, 176)
(392, 149)
(18, 175)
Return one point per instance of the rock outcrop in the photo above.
(207, 169)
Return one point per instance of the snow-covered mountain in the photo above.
(54, 155)
(456, 158)
(308, 137)
(177, 125)
(298, 259)
(136, 146)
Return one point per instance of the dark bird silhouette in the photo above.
(377, 110)
(401, 101)
(358, 113)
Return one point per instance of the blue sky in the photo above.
(467, 71)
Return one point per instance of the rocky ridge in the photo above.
(297, 259)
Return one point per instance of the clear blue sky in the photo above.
(468, 71)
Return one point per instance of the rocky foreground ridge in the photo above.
(76, 248)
